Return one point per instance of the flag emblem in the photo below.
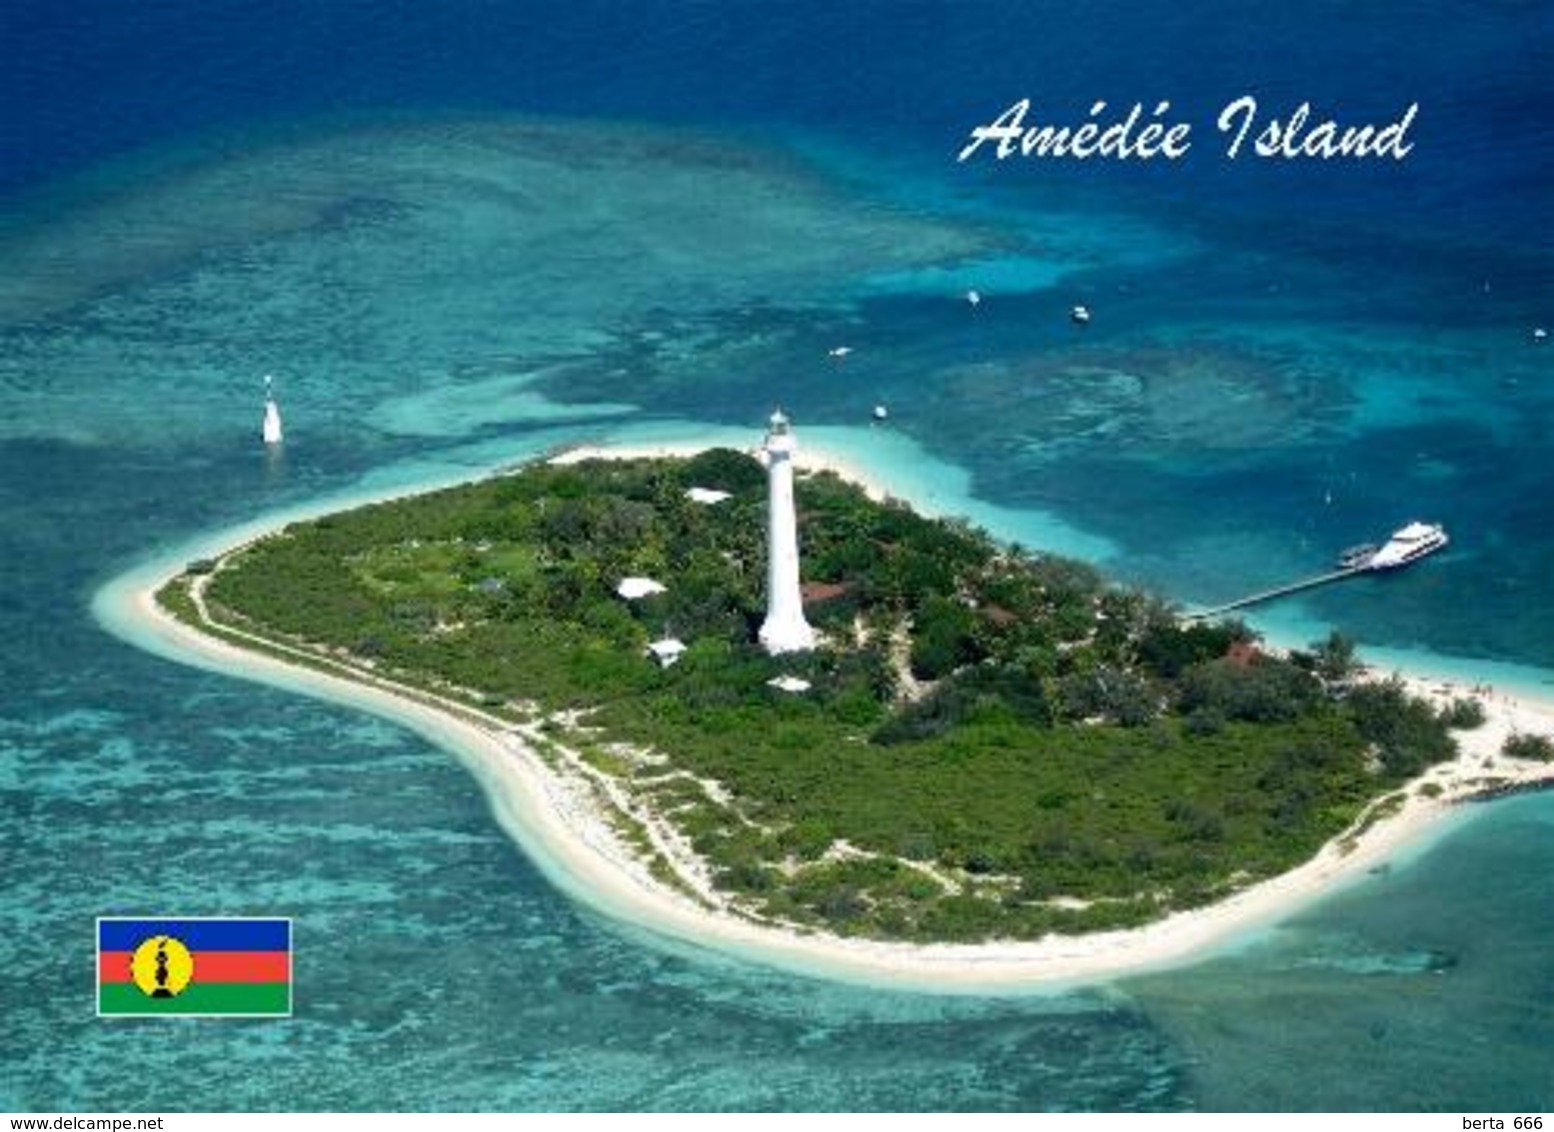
(161, 966)
(194, 967)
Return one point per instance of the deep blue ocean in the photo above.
(462, 233)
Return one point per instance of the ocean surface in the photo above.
(462, 234)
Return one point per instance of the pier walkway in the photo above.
(1279, 591)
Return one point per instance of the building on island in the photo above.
(666, 651)
(785, 629)
(633, 589)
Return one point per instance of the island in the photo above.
(985, 747)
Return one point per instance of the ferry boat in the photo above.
(1408, 544)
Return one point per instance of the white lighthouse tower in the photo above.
(785, 629)
(272, 414)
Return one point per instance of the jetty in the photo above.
(1407, 545)
(1280, 591)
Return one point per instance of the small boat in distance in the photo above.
(1358, 557)
(1408, 544)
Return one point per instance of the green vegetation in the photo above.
(1463, 714)
(1334, 658)
(174, 597)
(1070, 757)
(1539, 748)
(1405, 733)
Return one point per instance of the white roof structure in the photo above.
(666, 651)
(633, 588)
(706, 495)
(788, 684)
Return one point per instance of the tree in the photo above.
(944, 638)
(1265, 691)
(1334, 657)
(1526, 746)
(1408, 733)
(723, 469)
(1463, 714)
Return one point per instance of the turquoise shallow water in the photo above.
(446, 294)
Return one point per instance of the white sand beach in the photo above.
(558, 820)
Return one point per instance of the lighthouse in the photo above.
(272, 414)
(785, 629)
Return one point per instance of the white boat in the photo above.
(1408, 544)
(1358, 557)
